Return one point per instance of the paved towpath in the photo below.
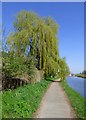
(55, 104)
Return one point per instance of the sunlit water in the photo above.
(78, 84)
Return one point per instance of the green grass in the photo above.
(77, 101)
(52, 78)
(23, 101)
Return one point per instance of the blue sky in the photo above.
(69, 16)
(0, 11)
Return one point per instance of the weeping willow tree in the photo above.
(36, 36)
(63, 68)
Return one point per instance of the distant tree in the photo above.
(63, 68)
(84, 72)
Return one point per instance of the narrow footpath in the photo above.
(55, 104)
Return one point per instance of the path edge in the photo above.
(41, 103)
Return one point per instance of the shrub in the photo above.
(18, 67)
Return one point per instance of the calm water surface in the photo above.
(78, 84)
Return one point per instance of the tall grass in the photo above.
(23, 101)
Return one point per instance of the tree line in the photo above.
(32, 46)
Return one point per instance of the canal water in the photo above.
(78, 84)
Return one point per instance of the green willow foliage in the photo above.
(40, 34)
(63, 68)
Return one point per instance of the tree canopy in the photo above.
(38, 37)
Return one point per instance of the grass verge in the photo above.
(77, 101)
(23, 101)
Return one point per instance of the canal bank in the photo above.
(77, 101)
